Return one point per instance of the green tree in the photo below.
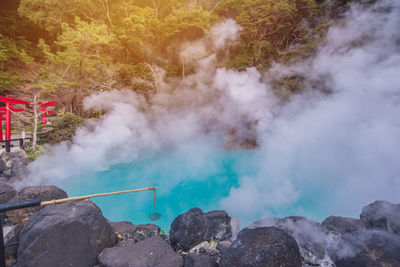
(270, 26)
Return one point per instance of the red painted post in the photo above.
(8, 121)
(44, 115)
(2, 114)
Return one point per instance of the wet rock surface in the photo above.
(69, 234)
(153, 251)
(262, 246)
(382, 215)
(194, 227)
(44, 193)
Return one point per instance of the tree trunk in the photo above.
(35, 122)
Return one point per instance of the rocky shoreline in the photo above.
(77, 234)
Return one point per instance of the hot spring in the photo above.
(182, 184)
(329, 150)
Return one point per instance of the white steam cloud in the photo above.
(334, 152)
(341, 149)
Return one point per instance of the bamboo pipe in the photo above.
(62, 200)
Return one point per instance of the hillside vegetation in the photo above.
(66, 50)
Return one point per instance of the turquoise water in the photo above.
(189, 178)
(183, 183)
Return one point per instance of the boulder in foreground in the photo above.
(366, 248)
(193, 227)
(153, 251)
(262, 246)
(382, 215)
(69, 234)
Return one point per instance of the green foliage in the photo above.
(10, 50)
(70, 49)
(7, 82)
(162, 234)
(269, 26)
(63, 128)
(33, 153)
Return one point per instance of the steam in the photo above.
(337, 151)
(319, 153)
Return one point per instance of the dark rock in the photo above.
(382, 215)
(16, 161)
(126, 230)
(7, 192)
(342, 225)
(123, 227)
(218, 225)
(223, 244)
(19, 167)
(143, 231)
(15, 154)
(11, 237)
(262, 246)
(153, 251)
(195, 260)
(7, 174)
(69, 234)
(3, 164)
(31, 192)
(194, 227)
(310, 235)
(366, 248)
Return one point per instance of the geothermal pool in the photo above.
(182, 182)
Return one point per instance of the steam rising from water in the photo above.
(319, 153)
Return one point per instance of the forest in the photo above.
(66, 50)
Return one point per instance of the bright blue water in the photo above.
(183, 183)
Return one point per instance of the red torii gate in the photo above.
(44, 110)
(6, 110)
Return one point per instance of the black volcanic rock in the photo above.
(342, 225)
(196, 260)
(382, 215)
(310, 235)
(69, 234)
(153, 251)
(7, 192)
(194, 227)
(366, 248)
(262, 246)
(126, 230)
